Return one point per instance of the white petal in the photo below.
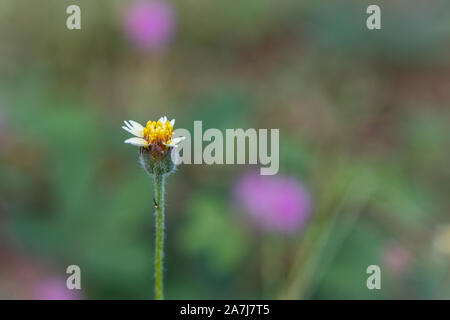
(137, 142)
(172, 122)
(163, 119)
(171, 145)
(178, 140)
(136, 125)
(127, 129)
(134, 128)
(127, 124)
(175, 141)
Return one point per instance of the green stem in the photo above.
(159, 250)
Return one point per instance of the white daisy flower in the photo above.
(154, 133)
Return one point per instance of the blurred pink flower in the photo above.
(275, 202)
(396, 258)
(55, 289)
(150, 25)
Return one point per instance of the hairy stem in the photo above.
(159, 243)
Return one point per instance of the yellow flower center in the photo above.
(157, 132)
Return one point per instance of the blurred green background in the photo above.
(364, 125)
